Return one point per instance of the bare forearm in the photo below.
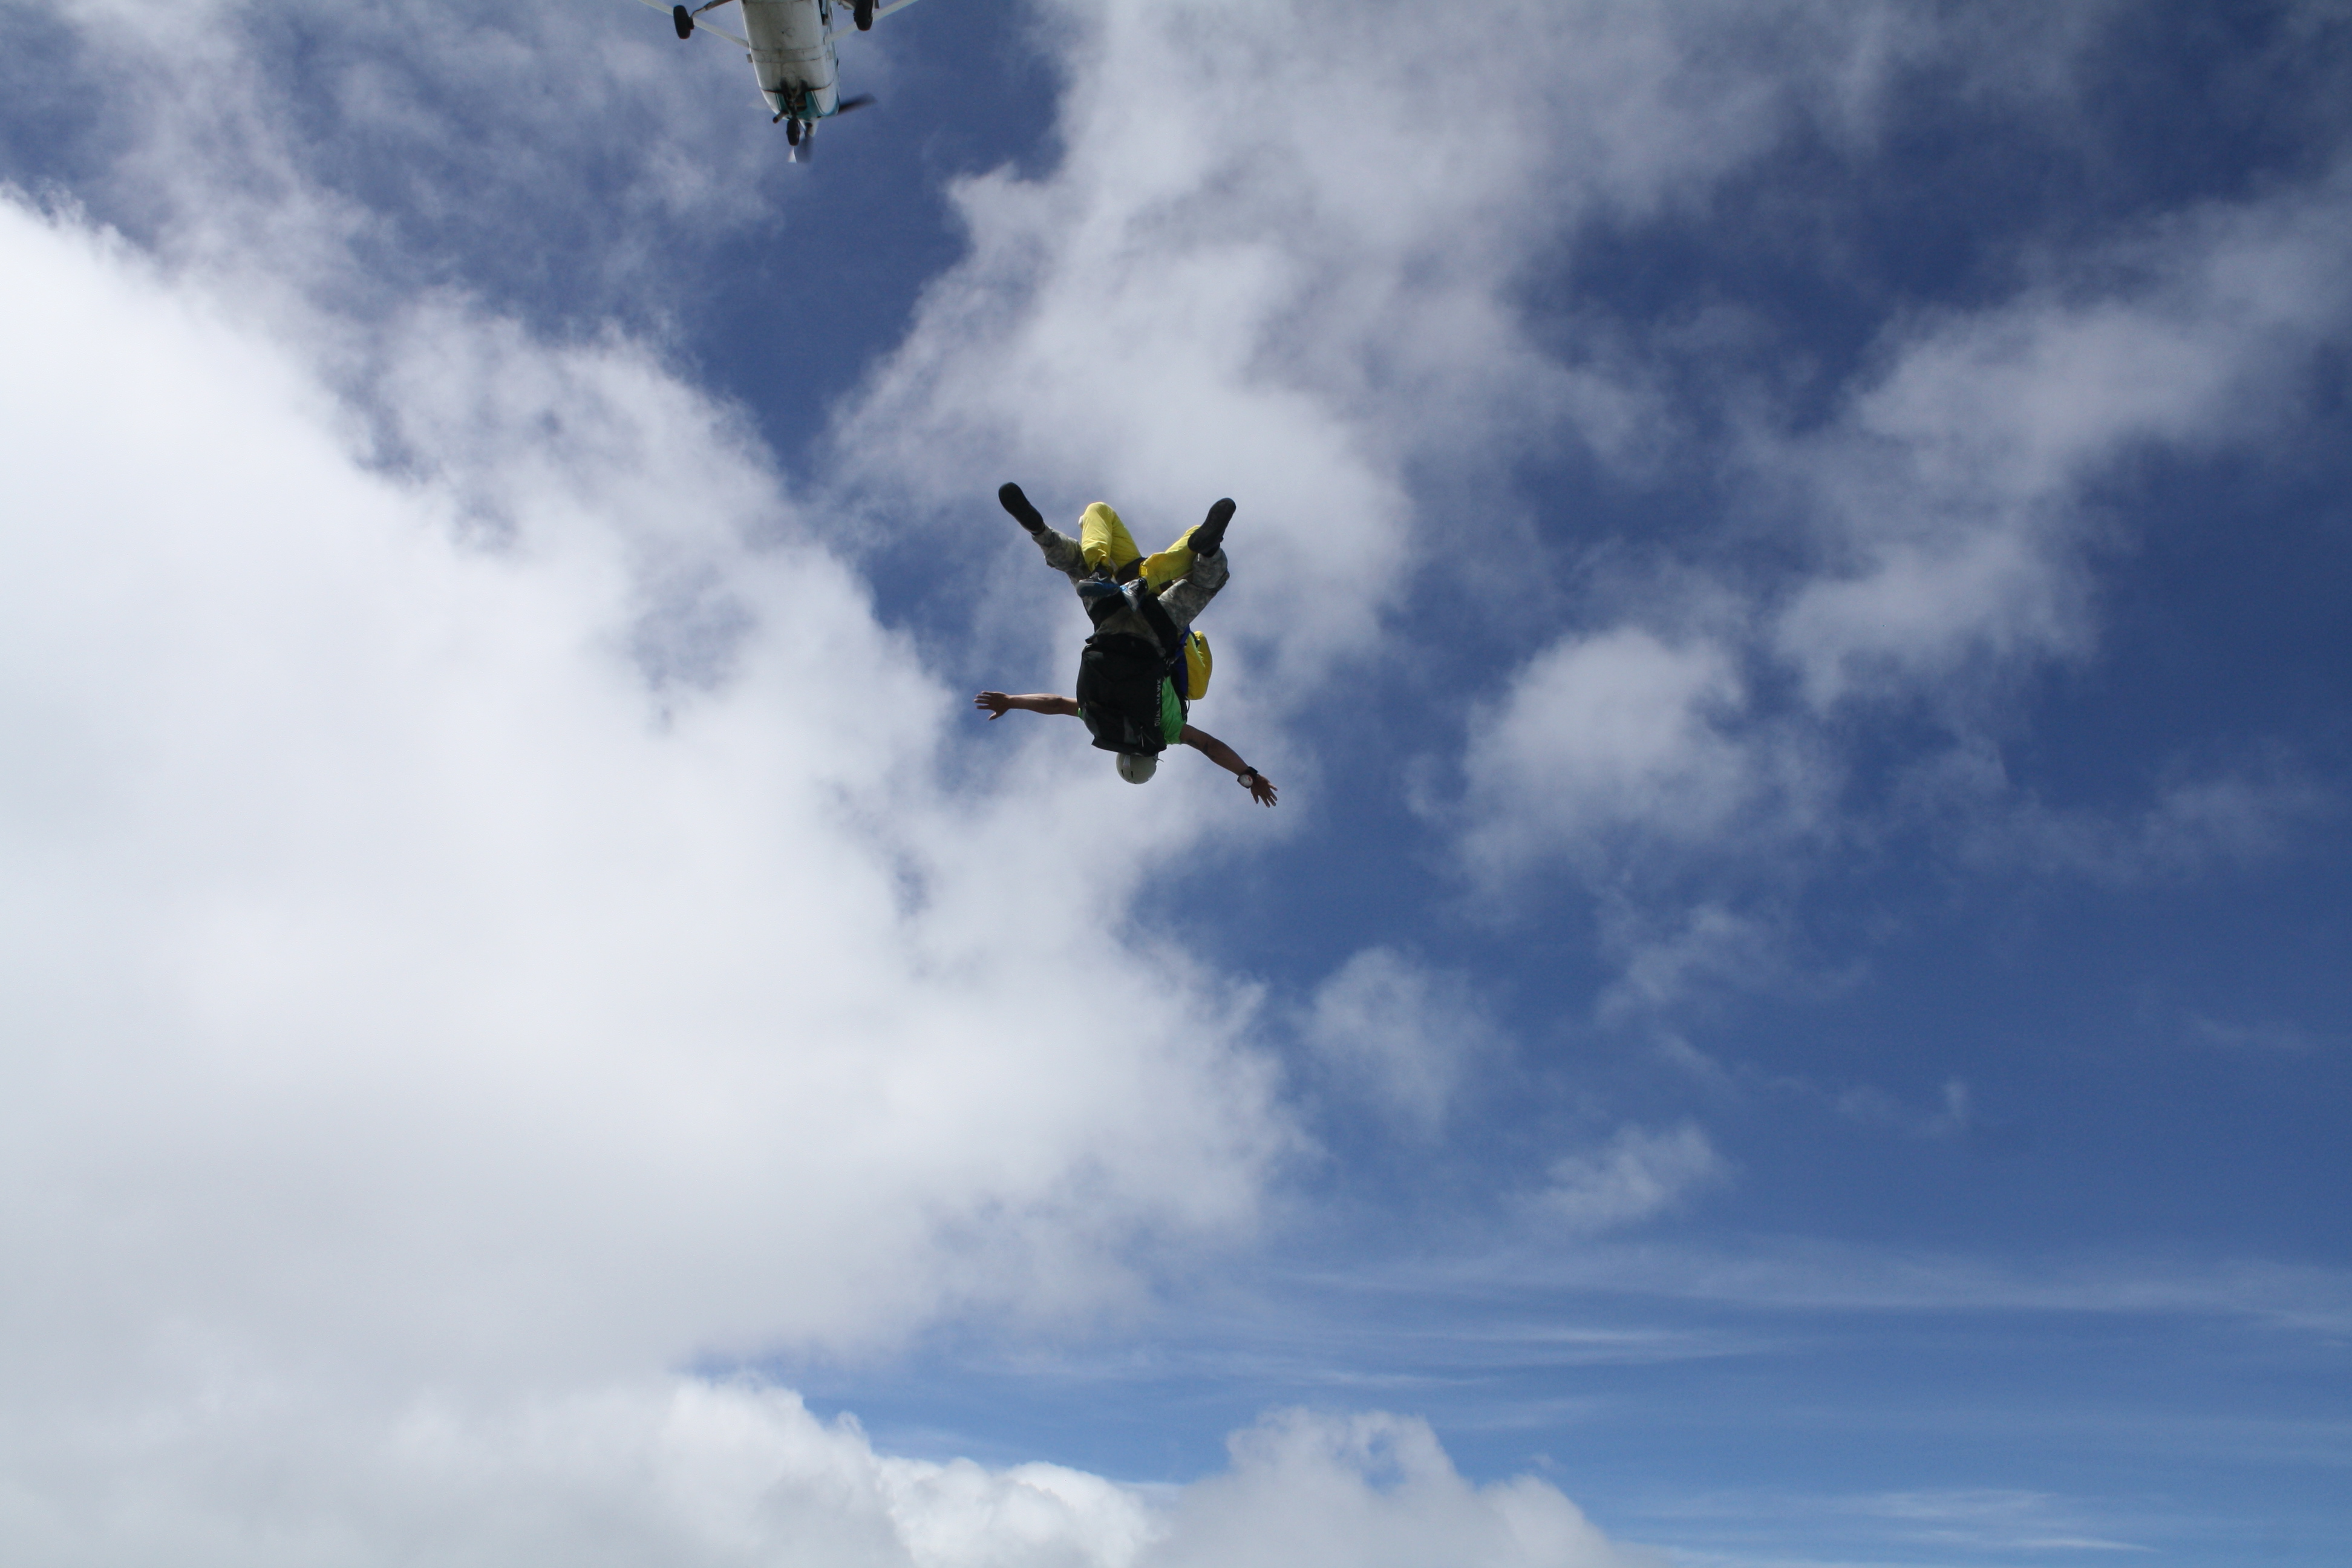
(1046, 702)
(1261, 789)
(996, 704)
(1217, 751)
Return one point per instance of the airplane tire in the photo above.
(792, 132)
(863, 11)
(683, 20)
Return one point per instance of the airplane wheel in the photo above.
(683, 20)
(863, 11)
(792, 132)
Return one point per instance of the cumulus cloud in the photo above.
(398, 973)
(1375, 1490)
(708, 1476)
(1638, 1175)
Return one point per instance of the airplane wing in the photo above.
(701, 25)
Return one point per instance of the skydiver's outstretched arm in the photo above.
(1261, 788)
(996, 704)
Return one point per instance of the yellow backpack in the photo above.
(1198, 661)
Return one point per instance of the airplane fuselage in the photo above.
(791, 50)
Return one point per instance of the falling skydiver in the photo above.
(1144, 663)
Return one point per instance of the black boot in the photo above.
(1009, 497)
(1210, 537)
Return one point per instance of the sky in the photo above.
(1792, 570)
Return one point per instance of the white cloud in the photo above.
(482, 927)
(1815, 1276)
(1948, 495)
(575, 157)
(2193, 822)
(1400, 1033)
(1664, 964)
(1600, 736)
(1637, 1176)
(479, 930)
(1944, 554)
(1970, 1520)
(1369, 1491)
(476, 925)
(705, 1476)
(2285, 1038)
(395, 977)
(1283, 259)
(1248, 276)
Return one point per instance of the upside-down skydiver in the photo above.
(1144, 665)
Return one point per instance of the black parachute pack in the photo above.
(1126, 683)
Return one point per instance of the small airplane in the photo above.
(791, 48)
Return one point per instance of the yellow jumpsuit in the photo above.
(1103, 541)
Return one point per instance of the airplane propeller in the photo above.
(847, 104)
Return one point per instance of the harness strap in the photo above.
(1171, 640)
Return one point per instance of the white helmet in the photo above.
(1135, 767)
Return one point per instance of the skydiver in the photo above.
(1142, 609)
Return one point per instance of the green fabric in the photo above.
(1171, 712)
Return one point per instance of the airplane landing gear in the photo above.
(683, 20)
(863, 10)
(792, 132)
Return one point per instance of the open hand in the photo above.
(995, 704)
(1261, 788)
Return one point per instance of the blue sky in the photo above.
(1791, 568)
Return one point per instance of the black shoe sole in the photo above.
(1010, 497)
(1210, 537)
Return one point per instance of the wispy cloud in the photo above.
(1637, 1176)
(1798, 1275)
(2287, 1038)
(1874, 1527)
(2192, 823)
(1876, 1107)
(1619, 735)
(1393, 1031)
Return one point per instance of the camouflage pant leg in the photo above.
(1190, 594)
(1063, 555)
